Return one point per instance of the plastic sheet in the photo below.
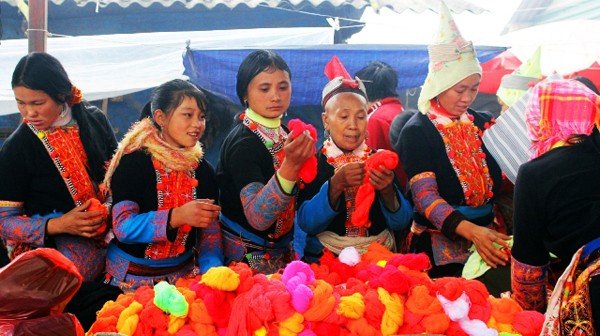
(34, 289)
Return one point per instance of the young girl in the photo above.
(163, 193)
(258, 168)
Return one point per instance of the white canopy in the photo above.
(566, 46)
(105, 66)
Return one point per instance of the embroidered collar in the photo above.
(444, 117)
(68, 155)
(333, 152)
(273, 123)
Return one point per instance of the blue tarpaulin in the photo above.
(216, 70)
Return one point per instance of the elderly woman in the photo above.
(557, 206)
(452, 178)
(341, 171)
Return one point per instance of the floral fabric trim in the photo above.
(428, 201)
(68, 155)
(267, 205)
(174, 189)
(337, 158)
(462, 141)
(529, 285)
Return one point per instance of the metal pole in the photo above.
(38, 25)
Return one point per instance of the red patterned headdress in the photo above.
(340, 81)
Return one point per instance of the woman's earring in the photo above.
(246, 103)
(366, 135)
(326, 134)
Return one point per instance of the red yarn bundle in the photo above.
(308, 172)
(366, 192)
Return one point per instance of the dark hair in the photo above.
(41, 71)
(255, 63)
(587, 82)
(380, 80)
(397, 125)
(169, 95)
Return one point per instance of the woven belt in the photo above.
(144, 270)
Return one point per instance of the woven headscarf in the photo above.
(516, 84)
(340, 81)
(451, 59)
(558, 110)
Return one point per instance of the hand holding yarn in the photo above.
(366, 192)
(308, 171)
(97, 206)
(78, 222)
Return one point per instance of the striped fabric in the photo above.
(558, 110)
(508, 140)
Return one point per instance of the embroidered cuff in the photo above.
(529, 285)
(450, 224)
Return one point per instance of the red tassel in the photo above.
(335, 68)
(308, 172)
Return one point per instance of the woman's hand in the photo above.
(77, 222)
(297, 151)
(197, 213)
(382, 179)
(483, 238)
(349, 175)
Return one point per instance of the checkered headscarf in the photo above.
(559, 109)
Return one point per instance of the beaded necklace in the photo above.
(68, 155)
(337, 158)
(274, 139)
(174, 189)
(463, 145)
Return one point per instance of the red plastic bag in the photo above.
(34, 289)
(60, 325)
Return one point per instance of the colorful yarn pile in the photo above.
(380, 294)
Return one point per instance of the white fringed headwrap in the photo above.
(143, 134)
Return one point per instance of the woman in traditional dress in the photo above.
(452, 177)
(52, 167)
(258, 168)
(557, 208)
(165, 216)
(328, 203)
